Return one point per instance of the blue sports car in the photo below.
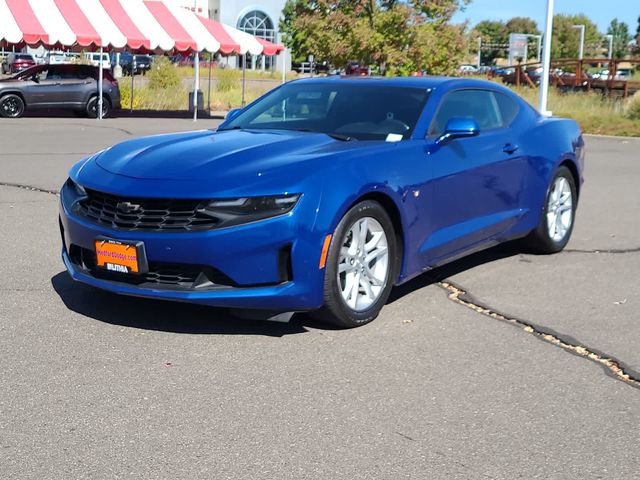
(322, 195)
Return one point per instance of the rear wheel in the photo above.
(92, 107)
(556, 224)
(361, 267)
(11, 106)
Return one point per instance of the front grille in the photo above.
(145, 214)
(160, 274)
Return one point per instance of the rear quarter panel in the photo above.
(549, 142)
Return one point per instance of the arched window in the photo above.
(259, 24)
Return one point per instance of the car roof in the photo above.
(429, 82)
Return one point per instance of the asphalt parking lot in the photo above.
(504, 365)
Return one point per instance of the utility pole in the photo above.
(581, 28)
(479, 52)
(610, 38)
(196, 72)
(546, 64)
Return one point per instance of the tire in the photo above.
(92, 107)
(11, 106)
(346, 263)
(558, 215)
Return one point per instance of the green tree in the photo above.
(621, 38)
(381, 32)
(522, 25)
(566, 38)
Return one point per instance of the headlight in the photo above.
(77, 189)
(236, 211)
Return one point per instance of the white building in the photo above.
(257, 18)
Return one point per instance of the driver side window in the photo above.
(480, 105)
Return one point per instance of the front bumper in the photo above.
(250, 255)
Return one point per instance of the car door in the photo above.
(74, 84)
(477, 183)
(41, 87)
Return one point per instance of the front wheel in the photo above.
(11, 106)
(361, 266)
(556, 224)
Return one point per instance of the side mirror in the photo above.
(232, 114)
(458, 127)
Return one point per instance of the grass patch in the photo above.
(176, 98)
(595, 113)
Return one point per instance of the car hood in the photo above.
(228, 155)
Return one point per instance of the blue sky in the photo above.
(600, 11)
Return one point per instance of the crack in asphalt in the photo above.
(604, 250)
(612, 366)
(31, 188)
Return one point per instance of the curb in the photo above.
(610, 137)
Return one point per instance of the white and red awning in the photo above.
(152, 25)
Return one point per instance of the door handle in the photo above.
(510, 148)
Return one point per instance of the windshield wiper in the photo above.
(336, 136)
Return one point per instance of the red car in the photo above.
(354, 68)
(16, 62)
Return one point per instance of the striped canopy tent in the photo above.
(139, 25)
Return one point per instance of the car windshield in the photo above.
(24, 57)
(345, 110)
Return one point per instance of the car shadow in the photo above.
(505, 250)
(166, 316)
(187, 318)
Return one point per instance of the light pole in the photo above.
(479, 52)
(546, 64)
(196, 72)
(581, 28)
(610, 38)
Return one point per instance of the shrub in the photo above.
(163, 75)
(125, 97)
(632, 107)
(228, 79)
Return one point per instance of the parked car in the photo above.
(502, 71)
(61, 58)
(468, 69)
(16, 62)
(58, 86)
(95, 58)
(140, 64)
(621, 74)
(322, 195)
(355, 68)
(323, 67)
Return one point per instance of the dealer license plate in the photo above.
(120, 256)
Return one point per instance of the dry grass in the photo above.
(595, 113)
(176, 98)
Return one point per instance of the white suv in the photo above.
(94, 59)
